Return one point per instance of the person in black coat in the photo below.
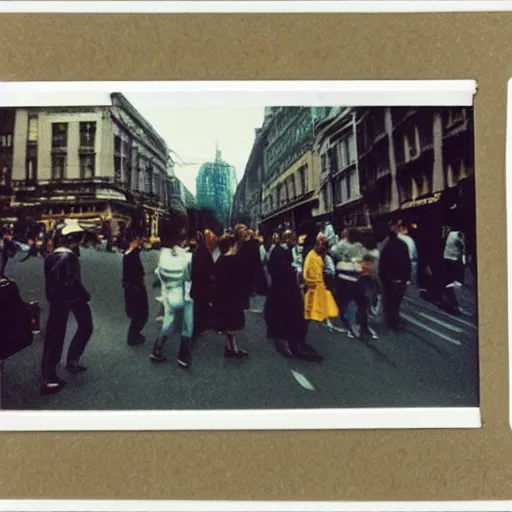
(135, 294)
(203, 282)
(66, 294)
(230, 297)
(394, 273)
(284, 306)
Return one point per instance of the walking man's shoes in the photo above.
(283, 348)
(184, 354)
(50, 387)
(137, 341)
(75, 368)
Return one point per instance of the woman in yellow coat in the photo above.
(319, 304)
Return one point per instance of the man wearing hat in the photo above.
(65, 293)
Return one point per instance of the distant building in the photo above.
(291, 181)
(247, 202)
(215, 188)
(97, 164)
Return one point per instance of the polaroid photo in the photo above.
(238, 255)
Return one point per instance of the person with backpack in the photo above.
(175, 273)
(66, 294)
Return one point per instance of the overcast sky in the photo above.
(192, 133)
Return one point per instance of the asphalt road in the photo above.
(432, 364)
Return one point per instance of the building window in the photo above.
(87, 167)
(87, 134)
(148, 180)
(338, 192)
(117, 168)
(58, 167)
(293, 186)
(31, 169)
(324, 163)
(412, 145)
(303, 179)
(32, 130)
(59, 135)
(406, 189)
(348, 186)
(4, 176)
(325, 194)
(284, 193)
(455, 116)
(351, 146)
(117, 145)
(333, 159)
(6, 141)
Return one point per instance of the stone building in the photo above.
(97, 164)
(247, 201)
(417, 164)
(291, 178)
(340, 199)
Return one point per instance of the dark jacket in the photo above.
(394, 261)
(203, 275)
(63, 280)
(133, 270)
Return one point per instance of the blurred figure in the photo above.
(403, 234)
(65, 293)
(175, 273)
(454, 257)
(394, 274)
(230, 298)
(203, 282)
(284, 306)
(135, 294)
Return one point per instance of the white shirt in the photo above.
(411, 244)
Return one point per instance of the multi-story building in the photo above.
(291, 180)
(247, 201)
(417, 164)
(215, 187)
(340, 199)
(7, 117)
(97, 164)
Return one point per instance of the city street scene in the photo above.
(181, 258)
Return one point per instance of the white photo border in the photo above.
(508, 190)
(250, 506)
(248, 93)
(254, 6)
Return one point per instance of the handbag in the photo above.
(16, 319)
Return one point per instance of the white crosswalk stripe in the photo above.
(424, 326)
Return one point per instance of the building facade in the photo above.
(417, 164)
(96, 164)
(340, 199)
(7, 117)
(215, 187)
(247, 201)
(291, 177)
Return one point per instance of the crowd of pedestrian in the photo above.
(207, 281)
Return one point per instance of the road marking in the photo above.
(440, 322)
(415, 322)
(438, 311)
(303, 381)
